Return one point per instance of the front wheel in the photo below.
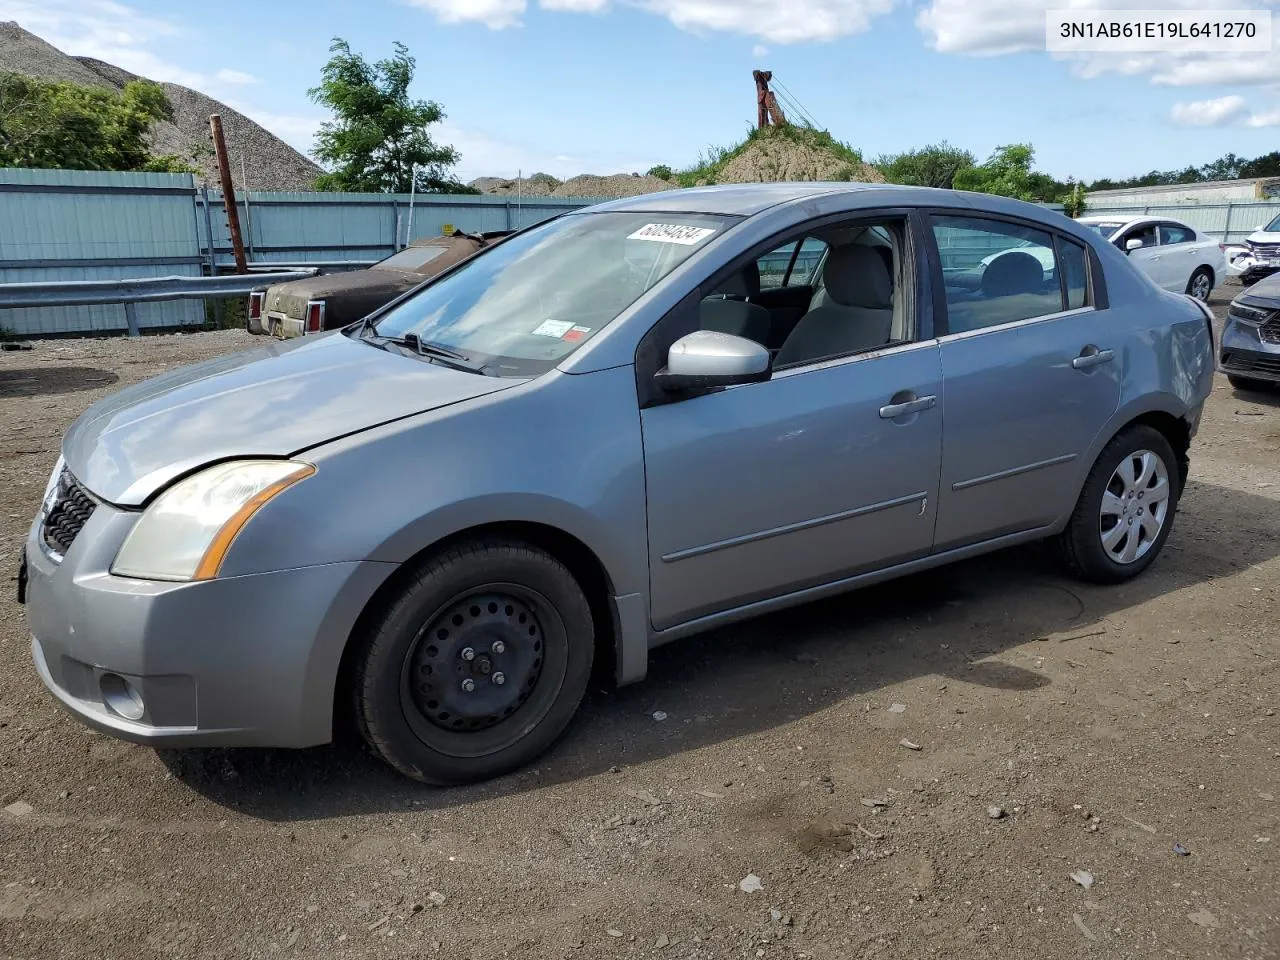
(1125, 511)
(1201, 284)
(477, 665)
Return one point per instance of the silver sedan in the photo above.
(618, 428)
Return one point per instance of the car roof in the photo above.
(1125, 221)
(748, 199)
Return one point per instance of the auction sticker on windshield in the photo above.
(672, 233)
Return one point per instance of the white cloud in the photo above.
(1270, 118)
(575, 6)
(759, 50)
(778, 21)
(996, 27)
(494, 14)
(1209, 113)
(238, 77)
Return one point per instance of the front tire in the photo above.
(1125, 511)
(1201, 284)
(476, 665)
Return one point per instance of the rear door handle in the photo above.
(1091, 356)
(904, 402)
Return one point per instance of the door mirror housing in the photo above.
(707, 359)
(1132, 244)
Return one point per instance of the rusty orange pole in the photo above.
(228, 193)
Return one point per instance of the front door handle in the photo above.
(1091, 356)
(904, 402)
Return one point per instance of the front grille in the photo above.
(1270, 331)
(1265, 249)
(69, 510)
(1241, 361)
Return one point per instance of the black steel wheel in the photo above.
(477, 665)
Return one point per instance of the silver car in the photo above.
(1249, 351)
(599, 435)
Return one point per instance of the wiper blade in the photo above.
(433, 352)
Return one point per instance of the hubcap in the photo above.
(476, 662)
(1134, 507)
(1200, 287)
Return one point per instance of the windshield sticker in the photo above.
(553, 328)
(574, 334)
(672, 233)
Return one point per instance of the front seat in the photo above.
(737, 317)
(742, 319)
(857, 314)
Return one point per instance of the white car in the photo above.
(1171, 253)
(1258, 256)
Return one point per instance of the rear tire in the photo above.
(1248, 383)
(1200, 285)
(1126, 509)
(477, 665)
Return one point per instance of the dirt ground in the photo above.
(1107, 725)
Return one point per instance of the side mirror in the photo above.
(706, 359)
(1132, 244)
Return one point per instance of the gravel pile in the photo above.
(618, 185)
(536, 185)
(269, 162)
(779, 159)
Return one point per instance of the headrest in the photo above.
(737, 317)
(1012, 273)
(744, 282)
(856, 276)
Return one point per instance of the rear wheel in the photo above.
(1125, 511)
(477, 665)
(1201, 284)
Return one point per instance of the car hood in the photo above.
(1263, 236)
(274, 401)
(1266, 292)
(359, 288)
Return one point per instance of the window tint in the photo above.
(806, 266)
(1074, 272)
(995, 272)
(1146, 234)
(803, 265)
(1175, 234)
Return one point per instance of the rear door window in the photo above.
(995, 272)
(1172, 233)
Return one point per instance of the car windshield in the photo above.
(1273, 226)
(1104, 229)
(413, 258)
(523, 305)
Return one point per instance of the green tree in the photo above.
(935, 165)
(1006, 173)
(378, 139)
(661, 171)
(66, 126)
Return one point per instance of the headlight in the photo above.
(186, 532)
(1250, 315)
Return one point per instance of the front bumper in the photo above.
(241, 661)
(1243, 352)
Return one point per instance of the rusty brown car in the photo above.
(334, 300)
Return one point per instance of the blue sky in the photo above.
(603, 86)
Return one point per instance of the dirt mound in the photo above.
(269, 162)
(618, 185)
(794, 155)
(536, 185)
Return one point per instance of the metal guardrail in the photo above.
(76, 293)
